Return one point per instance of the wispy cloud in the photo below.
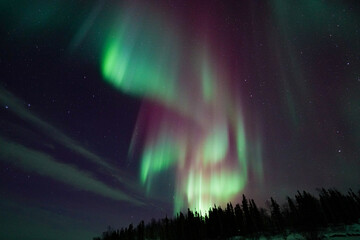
(17, 106)
(44, 164)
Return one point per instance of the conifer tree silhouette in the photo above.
(239, 218)
(306, 215)
(248, 224)
(276, 216)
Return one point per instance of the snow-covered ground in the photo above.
(339, 233)
(346, 232)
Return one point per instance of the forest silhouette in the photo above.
(304, 214)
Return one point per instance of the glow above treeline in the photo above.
(191, 123)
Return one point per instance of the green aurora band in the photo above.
(191, 123)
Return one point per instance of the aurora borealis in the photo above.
(116, 111)
(190, 121)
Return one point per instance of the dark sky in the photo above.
(116, 111)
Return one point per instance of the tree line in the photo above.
(304, 214)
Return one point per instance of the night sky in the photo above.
(116, 111)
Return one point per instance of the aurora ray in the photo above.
(190, 123)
